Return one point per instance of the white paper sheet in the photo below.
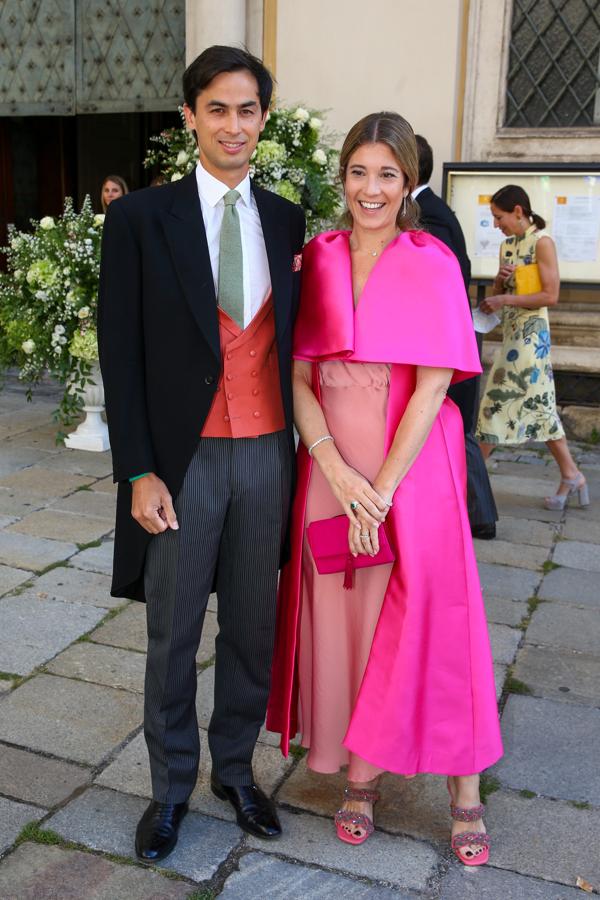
(484, 322)
(576, 228)
(487, 238)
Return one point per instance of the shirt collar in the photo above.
(212, 190)
(418, 190)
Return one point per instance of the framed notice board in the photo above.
(566, 196)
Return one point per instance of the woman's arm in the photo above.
(411, 434)
(549, 276)
(346, 483)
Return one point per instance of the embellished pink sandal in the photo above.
(468, 838)
(357, 820)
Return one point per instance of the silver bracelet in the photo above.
(326, 437)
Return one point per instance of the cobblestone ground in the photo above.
(73, 766)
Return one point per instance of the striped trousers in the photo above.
(232, 512)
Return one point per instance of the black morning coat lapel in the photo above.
(277, 243)
(186, 237)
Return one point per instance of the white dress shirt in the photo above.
(418, 190)
(257, 277)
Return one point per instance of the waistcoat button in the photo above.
(229, 377)
(257, 414)
(254, 373)
(209, 379)
(253, 353)
(255, 392)
(230, 396)
(226, 418)
(229, 356)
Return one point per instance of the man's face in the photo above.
(228, 121)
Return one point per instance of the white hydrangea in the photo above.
(47, 223)
(28, 347)
(99, 219)
(301, 114)
(59, 329)
(83, 312)
(319, 157)
(176, 176)
(315, 124)
(182, 158)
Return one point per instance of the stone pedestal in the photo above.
(92, 434)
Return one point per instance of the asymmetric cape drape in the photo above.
(427, 701)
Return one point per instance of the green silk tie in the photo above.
(231, 270)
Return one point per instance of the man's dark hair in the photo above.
(425, 159)
(218, 59)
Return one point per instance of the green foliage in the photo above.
(33, 832)
(48, 299)
(549, 566)
(528, 795)
(294, 158)
(515, 686)
(488, 784)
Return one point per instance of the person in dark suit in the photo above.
(199, 290)
(439, 220)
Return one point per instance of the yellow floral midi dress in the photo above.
(519, 403)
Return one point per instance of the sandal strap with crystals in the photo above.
(347, 817)
(481, 839)
(363, 795)
(467, 814)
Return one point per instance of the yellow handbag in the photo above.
(527, 279)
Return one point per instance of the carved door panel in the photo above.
(37, 58)
(62, 57)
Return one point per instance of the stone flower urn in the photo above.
(92, 434)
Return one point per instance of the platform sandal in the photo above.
(345, 817)
(468, 839)
(577, 486)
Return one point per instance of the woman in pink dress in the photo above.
(395, 674)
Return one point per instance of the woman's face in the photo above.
(375, 187)
(509, 223)
(110, 191)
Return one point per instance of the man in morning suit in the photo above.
(439, 220)
(198, 294)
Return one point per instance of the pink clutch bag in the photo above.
(328, 541)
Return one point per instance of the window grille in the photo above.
(554, 64)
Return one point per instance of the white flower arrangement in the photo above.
(293, 158)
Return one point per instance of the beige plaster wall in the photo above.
(354, 57)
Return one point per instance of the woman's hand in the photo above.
(492, 304)
(505, 271)
(363, 538)
(349, 487)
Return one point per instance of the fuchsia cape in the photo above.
(427, 701)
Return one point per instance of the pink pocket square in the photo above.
(297, 262)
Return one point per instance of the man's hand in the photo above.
(152, 505)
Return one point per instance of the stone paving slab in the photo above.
(10, 578)
(581, 530)
(105, 486)
(507, 582)
(53, 873)
(44, 483)
(96, 559)
(559, 838)
(62, 526)
(5, 521)
(570, 627)
(523, 508)
(525, 531)
(505, 612)
(18, 503)
(398, 861)
(36, 439)
(130, 774)
(32, 778)
(88, 503)
(533, 488)
(12, 459)
(417, 807)
(69, 719)
(578, 555)
(521, 556)
(33, 631)
(25, 552)
(560, 674)
(13, 816)
(571, 586)
(105, 820)
(81, 462)
(265, 876)
(504, 642)
(499, 679)
(126, 630)
(99, 664)
(551, 748)
(487, 883)
(77, 586)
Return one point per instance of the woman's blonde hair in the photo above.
(395, 132)
(117, 180)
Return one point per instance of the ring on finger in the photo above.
(354, 504)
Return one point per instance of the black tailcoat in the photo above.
(158, 336)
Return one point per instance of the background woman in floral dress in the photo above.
(520, 401)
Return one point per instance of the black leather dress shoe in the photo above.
(254, 811)
(156, 834)
(484, 532)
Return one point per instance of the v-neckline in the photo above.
(356, 304)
